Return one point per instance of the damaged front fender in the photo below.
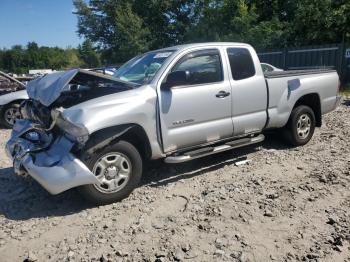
(49, 162)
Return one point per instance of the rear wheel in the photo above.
(10, 114)
(301, 126)
(118, 167)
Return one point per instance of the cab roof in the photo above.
(205, 44)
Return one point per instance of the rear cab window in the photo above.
(241, 63)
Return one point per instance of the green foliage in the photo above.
(123, 28)
(88, 55)
(318, 21)
(116, 30)
(245, 27)
(20, 59)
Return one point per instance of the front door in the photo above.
(198, 112)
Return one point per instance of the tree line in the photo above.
(20, 59)
(123, 28)
(116, 30)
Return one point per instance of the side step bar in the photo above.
(206, 151)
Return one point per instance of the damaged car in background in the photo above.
(12, 93)
(95, 132)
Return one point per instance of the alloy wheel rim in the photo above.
(113, 171)
(303, 126)
(11, 115)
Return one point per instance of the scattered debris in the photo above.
(242, 161)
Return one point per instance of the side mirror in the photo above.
(176, 78)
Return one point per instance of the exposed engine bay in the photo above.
(66, 89)
(73, 87)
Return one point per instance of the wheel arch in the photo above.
(17, 101)
(314, 102)
(132, 133)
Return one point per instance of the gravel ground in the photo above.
(285, 205)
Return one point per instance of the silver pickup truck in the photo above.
(177, 103)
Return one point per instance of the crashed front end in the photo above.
(46, 156)
(44, 144)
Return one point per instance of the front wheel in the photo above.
(301, 126)
(118, 167)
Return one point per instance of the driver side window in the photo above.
(203, 66)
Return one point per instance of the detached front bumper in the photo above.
(49, 162)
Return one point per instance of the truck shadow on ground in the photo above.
(161, 174)
(22, 198)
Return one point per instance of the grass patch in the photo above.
(345, 90)
(345, 93)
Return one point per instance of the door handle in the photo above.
(222, 94)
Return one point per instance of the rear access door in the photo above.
(249, 91)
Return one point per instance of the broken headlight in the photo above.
(33, 136)
(40, 138)
(74, 131)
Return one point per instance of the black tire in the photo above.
(304, 114)
(4, 111)
(127, 150)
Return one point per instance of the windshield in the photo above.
(142, 68)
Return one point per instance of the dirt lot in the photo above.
(286, 205)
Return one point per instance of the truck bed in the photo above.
(286, 87)
(278, 74)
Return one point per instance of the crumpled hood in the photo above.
(47, 89)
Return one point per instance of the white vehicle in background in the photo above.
(10, 105)
(270, 68)
(40, 71)
(12, 93)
